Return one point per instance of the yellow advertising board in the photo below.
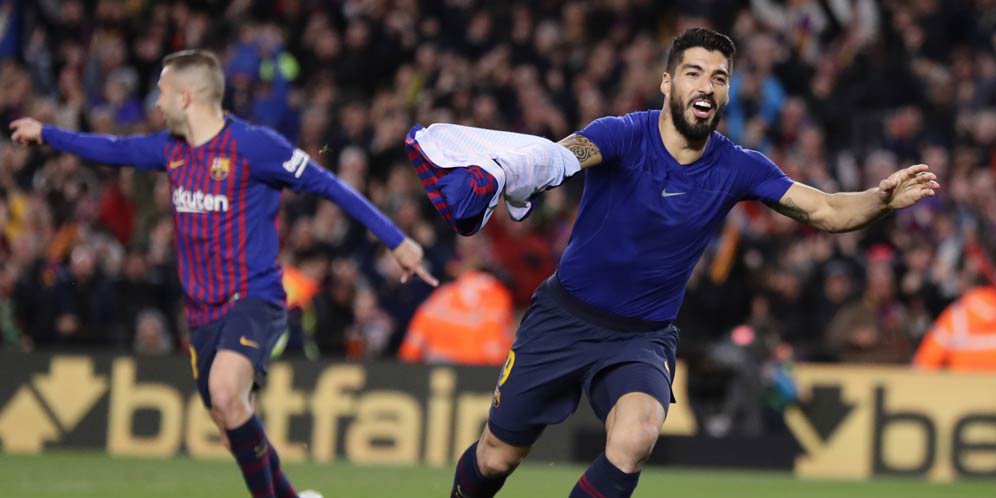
(899, 421)
(854, 422)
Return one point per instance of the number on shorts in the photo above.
(193, 361)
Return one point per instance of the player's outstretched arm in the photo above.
(143, 152)
(582, 148)
(275, 161)
(847, 211)
(317, 180)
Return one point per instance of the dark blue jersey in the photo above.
(645, 219)
(225, 202)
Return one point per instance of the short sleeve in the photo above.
(763, 179)
(611, 134)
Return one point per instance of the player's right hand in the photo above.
(27, 131)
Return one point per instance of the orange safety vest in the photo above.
(466, 322)
(300, 288)
(964, 336)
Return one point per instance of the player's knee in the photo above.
(228, 403)
(498, 459)
(629, 447)
(498, 463)
(217, 416)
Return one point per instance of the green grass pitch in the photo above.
(93, 475)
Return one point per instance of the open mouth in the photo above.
(703, 108)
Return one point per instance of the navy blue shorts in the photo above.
(252, 328)
(564, 346)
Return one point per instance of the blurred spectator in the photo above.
(370, 333)
(871, 330)
(523, 252)
(9, 28)
(151, 334)
(837, 92)
(84, 302)
(10, 330)
(140, 289)
(333, 309)
(301, 280)
(4, 222)
(397, 299)
(836, 292)
(756, 95)
(964, 336)
(467, 321)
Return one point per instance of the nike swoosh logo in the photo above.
(175, 164)
(246, 342)
(665, 193)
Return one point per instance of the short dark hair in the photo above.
(204, 60)
(699, 37)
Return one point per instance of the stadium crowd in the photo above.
(839, 93)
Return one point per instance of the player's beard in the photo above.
(699, 130)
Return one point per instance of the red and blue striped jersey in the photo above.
(225, 204)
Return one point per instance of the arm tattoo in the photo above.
(789, 208)
(582, 148)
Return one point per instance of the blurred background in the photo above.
(839, 93)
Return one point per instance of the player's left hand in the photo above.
(409, 255)
(908, 186)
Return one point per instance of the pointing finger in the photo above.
(426, 276)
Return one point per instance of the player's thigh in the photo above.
(203, 348)
(542, 380)
(532, 397)
(231, 377)
(638, 362)
(252, 329)
(641, 390)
